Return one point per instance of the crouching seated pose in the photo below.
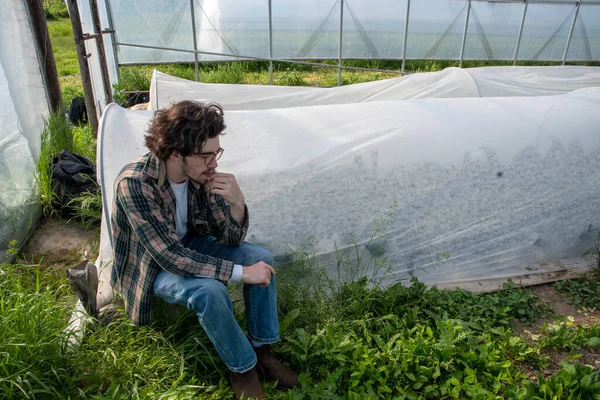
(178, 229)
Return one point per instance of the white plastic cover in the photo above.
(479, 187)
(309, 29)
(451, 82)
(22, 105)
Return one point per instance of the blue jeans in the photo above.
(210, 300)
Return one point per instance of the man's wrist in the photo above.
(238, 213)
(237, 274)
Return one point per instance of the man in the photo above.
(178, 230)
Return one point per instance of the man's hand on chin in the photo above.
(226, 185)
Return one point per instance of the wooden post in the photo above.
(101, 51)
(37, 17)
(84, 68)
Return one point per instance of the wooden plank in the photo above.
(537, 274)
(37, 17)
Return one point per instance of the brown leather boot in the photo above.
(274, 370)
(246, 385)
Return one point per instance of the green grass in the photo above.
(349, 340)
(55, 9)
(585, 290)
(34, 311)
(65, 56)
(57, 135)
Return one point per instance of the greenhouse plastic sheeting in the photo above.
(310, 29)
(22, 105)
(449, 189)
(451, 82)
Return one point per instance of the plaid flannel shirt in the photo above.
(144, 239)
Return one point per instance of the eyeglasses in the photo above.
(210, 157)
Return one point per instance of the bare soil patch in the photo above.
(60, 242)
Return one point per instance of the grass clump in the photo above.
(57, 135)
(34, 311)
(585, 291)
(55, 9)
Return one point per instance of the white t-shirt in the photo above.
(181, 210)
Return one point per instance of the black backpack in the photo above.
(72, 175)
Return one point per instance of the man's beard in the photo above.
(184, 172)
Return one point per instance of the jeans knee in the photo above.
(263, 255)
(212, 292)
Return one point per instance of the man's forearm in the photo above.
(238, 213)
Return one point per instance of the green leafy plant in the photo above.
(583, 292)
(573, 381)
(567, 335)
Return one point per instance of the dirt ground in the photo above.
(63, 243)
(60, 242)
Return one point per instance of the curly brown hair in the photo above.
(184, 127)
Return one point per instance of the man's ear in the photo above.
(175, 155)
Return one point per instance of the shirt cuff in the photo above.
(237, 274)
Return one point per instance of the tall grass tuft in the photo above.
(57, 135)
(84, 143)
(34, 311)
(88, 208)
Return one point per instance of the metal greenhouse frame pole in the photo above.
(464, 39)
(520, 33)
(195, 40)
(270, 44)
(84, 68)
(571, 32)
(113, 38)
(405, 35)
(340, 42)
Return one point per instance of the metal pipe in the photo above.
(211, 53)
(270, 44)
(405, 35)
(464, 39)
(564, 59)
(101, 52)
(113, 38)
(565, 3)
(520, 33)
(195, 41)
(84, 68)
(340, 42)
